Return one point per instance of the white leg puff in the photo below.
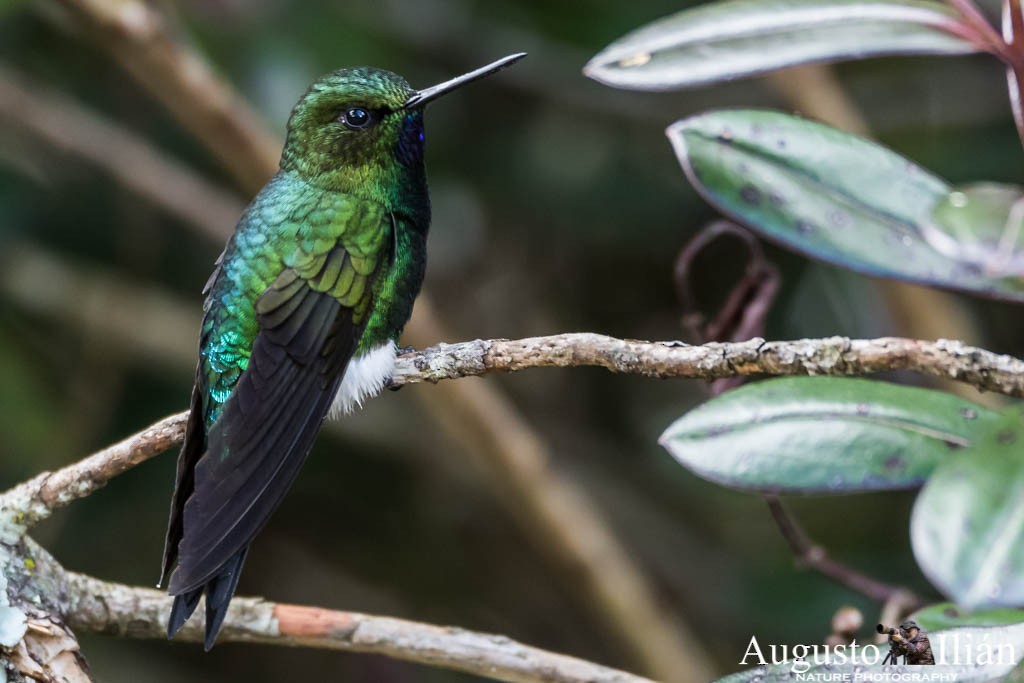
(364, 378)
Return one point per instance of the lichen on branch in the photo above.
(40, 602)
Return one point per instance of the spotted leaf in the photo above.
(719, 41)
(833, 196)
(967, 528)
(824, 435)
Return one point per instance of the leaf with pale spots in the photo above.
(825, 435)
(848, 201)
(967, 528)
(946, 615)
(725, 40)
(981, 224)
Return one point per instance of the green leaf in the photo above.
(828, 194)
(981, 224)
(824, 435)
(946, 615)
(1015, 676)
(967, 528)
(725, 40)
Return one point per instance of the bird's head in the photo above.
(361, 130)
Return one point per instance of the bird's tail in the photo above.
(218, 590)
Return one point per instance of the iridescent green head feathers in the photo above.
(361, 131)
(344, 133)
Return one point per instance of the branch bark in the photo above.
(86, 603)
(947, 359)
(838, 356)
(814, 556)
(29, 503)
(53, 604)
(110, 608)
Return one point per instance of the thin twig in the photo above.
(1013, 23)
(140, 612)
(115, 609)
(34, 500)
(137, 38)
(743, 313)
(739, 301)
(815, 557)
(988, 38)
(133, 162)
(1013, 30)
(89, 605)
(832, 356)
(953, 360)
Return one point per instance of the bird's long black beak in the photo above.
(432, 93)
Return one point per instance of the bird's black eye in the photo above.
(356, 117)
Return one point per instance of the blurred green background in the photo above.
(558, 206)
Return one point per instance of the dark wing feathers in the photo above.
(181, 609)
(218, 595)
(191, 451)
(234, 473)
(266, 427)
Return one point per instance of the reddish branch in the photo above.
(814, 556)
(95, 605)
(102, 607)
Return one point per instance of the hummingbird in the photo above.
(301, 318)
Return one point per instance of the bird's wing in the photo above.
(310, 321)
(194, 444)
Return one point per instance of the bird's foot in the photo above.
(401, 351)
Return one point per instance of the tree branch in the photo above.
(138, 166)
(953, 360)
(90, 604)
(136, 37)
(115, 609)
(32, 501)
(53, 603)
(815, 557)
(36, 498)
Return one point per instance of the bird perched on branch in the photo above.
(301, 318)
